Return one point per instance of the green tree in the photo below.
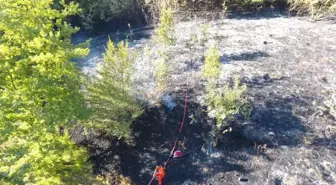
(40, 95)
(110, 95)
(222, 104)
(165, 31)
(164, 37)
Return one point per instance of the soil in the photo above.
(289, 65)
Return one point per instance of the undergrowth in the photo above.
(316, 9)
(95, 11)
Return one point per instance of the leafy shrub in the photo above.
(110, 94)
(226, 102)
(222, 104)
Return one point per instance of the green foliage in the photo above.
(39, 94)
(43, 158)
(110, 94)
(222, 104)
(211, 67)
(315, 8)
(165, 31)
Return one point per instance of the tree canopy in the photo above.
(40, 95)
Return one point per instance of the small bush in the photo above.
(110, 96)
(225, 103)
(222, 104)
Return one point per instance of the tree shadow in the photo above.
(245, 56)
(196, 65)
(329, 143)
(255, 13)
(274, 118)
(262, 14)
(277, 181)
(275, 123)
(261, 81)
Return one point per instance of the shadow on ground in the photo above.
(196, 65)
(329, 143)
(256, 14)
(263, 14)
(155, 131)
(98, 42)
(245, 56)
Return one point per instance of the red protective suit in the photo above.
(159, 174)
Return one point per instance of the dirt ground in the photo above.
(289, 65)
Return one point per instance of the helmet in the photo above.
(177, 153)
